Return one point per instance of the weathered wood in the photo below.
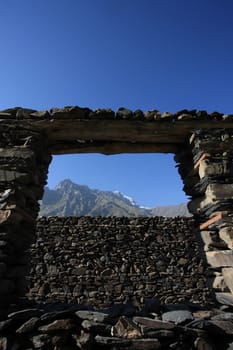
(64, 132)
(68, 135)
(109, 148)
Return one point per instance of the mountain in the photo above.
(70, 199)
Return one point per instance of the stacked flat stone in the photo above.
(102, 261)
(23, 172)
(155, 326)
(76, 112)
(206, 167)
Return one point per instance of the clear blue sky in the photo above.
(147, 54)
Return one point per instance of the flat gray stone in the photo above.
(155, 324)
(92, 316)
(28, 326)
(113, 341)
(177, 317)
(145, 344)
(58, 325)
(222, 327)
(224, 298)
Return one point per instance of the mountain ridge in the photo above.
(70, 199)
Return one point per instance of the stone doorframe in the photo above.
(203, 148)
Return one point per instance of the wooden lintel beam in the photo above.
(109, 148)
(122, 130)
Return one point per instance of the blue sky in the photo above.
(147, 54)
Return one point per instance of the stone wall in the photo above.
(101, 261)
(207, 171)
(24, 161)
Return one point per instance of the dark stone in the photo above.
(97, 328)
(25, 314)
(29, 325)
(145, 344)
(161, 333)
(6, 325)
(155, 324)
(112, 341)
(224, 316)
(84, 341)
(58, 325)
(124, 113)
(152, 305)
(6, 287)
(121, 310)
(221, 327)
(105, 113)
(138, 114)
(41, 340)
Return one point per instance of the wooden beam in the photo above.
(109, 148)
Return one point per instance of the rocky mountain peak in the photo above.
(70, 199)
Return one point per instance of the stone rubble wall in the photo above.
(156, 326)
(206, 167)
(72, 112)
(24, 164)
(101, 261)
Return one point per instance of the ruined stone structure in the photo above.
(203, 148)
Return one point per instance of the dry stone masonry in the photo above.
(203, 148)
(23, 170)
(102, 261)
(207, 171)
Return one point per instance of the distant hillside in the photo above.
(70, 199)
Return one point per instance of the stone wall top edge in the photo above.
(76, 112)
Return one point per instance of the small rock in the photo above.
(186, 117)
(228, 316)
(145, 344)
(25, 314)
(3, 343)
(156, 324)
(161, 333)
(58, 325)
(203, 344)
(138, 114)
(40, 114)
(221, 327)
(124, 113)
(28, 326)
(167, 116)
(224, 298)
(126, 328)
(112, 341)
(84, 341)
(93, 316)
(41, 340)
(178, 316)
(97, 328)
